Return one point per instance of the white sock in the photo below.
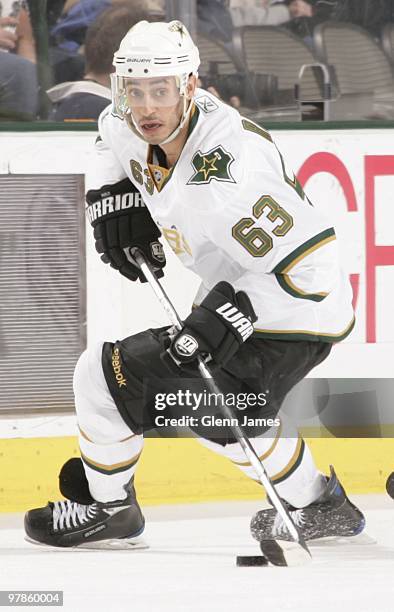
(109, 449)
(287, 460)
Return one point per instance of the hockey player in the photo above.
(218, 190)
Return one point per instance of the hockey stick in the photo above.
(278, 552)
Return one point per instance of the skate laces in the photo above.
(68, 514)
(279, 527)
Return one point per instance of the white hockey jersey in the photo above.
(231, 210)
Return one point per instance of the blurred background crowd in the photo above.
(275, 59)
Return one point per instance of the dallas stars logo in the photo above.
(213, 165)
(178, 27)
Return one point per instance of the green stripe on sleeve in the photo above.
(283, 267)
(303, 250)
(286, 284)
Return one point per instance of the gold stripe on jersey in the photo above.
(293, 464)
(250, 126)
(282, 268)
(304, 250)
(303, 334)
(84, 435)
(266, 454)
(287, 284)
(293, 182)
(115, 468)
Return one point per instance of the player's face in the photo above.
(156, 106)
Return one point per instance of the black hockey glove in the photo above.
(121, 221)
(218, 327)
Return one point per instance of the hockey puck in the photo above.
(390, 485)
(251, 561)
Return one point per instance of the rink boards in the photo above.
(173, 471)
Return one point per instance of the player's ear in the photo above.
(191, 86)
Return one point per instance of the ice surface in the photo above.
(190, 566)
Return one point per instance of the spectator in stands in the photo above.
(67, 37)
(18, 77)
(151, 6)
(69, 31)
(306, 14)
(371, 15)
(54, 9)
(279, 12)
(214, 19)
(258, 12)
(86, 99)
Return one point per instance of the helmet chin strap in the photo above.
(185, 116)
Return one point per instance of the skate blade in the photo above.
(117, 544)
(360, 539)
(136, 543)
(285, 553)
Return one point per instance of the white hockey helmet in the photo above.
(150, 50)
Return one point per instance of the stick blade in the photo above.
(285, 553)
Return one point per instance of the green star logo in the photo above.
(213, 165)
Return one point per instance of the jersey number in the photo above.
(139, 174)
(256, 240)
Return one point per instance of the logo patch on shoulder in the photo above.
(206, 104)
(213, 165)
